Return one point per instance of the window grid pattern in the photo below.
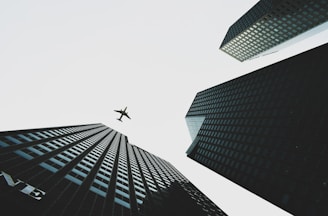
(122, 193)
(65, 157)
(102, 179)
(264, 131)
(157, 172)
(139, 187)
(163, 170)
(43, 148)
(269, 24)
(81, 166)
(82, 169)
(149, 181)
(149, 175)
(60, 160)
(27, 137)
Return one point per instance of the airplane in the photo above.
(123, 113)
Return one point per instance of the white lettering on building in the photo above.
(27, 189)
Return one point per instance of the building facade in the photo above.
(90, 170)
(271, 23)
(266, 131)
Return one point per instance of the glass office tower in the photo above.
(267, 132)
(91, 170)
(272, 22)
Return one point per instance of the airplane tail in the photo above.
(119, 119)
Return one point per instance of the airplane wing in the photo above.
(123, 113)
(119, 111)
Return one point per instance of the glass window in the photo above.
(34, 136)
(103, 184)
(121, 202)
(3, 144)
(24, 155)
(35, 150)
(98, 191)
(12, 139)
(122, 193)
(48, 167)
(73, 179)
(25, 137)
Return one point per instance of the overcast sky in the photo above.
(70, 62)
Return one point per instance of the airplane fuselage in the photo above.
(123, 113)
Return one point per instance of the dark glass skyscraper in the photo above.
(267, 131)
(90, 170)
(270, 23)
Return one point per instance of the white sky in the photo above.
(69, 62)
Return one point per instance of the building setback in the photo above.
(267, 132)
(272, 22)
(91, 170)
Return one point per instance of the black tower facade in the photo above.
(270, 23)
(267, 132)
(90, 170)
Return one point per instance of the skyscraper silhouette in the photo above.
(90, 170)
(270, 23)
(266, 131)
